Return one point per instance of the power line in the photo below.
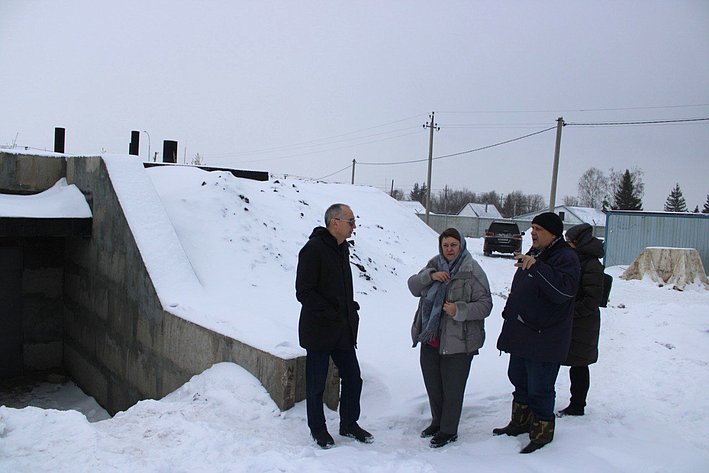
(322, 141)
(656, 107)
(336, 172)
(462, 152)
(323, 150)
(647, 122)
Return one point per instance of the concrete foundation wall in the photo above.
(29, 174)
(118, 342)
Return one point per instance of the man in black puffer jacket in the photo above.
(328, 324)
(587, 316)
(537, 328)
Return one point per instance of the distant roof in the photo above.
(589, 215)
(472, 209)
(414, 205)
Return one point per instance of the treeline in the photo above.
(451, 201)
(617, 190)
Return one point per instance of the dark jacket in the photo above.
(537, 316)
(323, 285)
(587, 316)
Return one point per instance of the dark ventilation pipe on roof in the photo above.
(169, 151)
(134, 143)
(59, 134)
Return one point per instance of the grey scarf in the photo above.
(432, 306)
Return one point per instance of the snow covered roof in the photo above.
(572, 215)
(60, 201)
(592, 216)
(472, 209)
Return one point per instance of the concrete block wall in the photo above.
(42, 281)
(42, 263)
(28, 173)
(118, 343)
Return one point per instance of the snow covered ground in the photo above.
(648, 410)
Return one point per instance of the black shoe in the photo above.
(356, 432)
(430, 431)
(441, 439)
(571, 410)
(324, 439)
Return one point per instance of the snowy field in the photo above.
(648, 410)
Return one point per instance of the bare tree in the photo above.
(451, 201)
(572, 201)
(535, 202)
(518, 203)
(593, 188)
(515, 204)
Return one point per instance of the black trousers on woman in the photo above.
(445, 377)
(580, 382)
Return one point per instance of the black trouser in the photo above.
(316, 366)
(445, 377)
(580, 382)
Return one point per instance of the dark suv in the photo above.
(503, 237)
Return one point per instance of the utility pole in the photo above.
(555, 170)
(353, 169)
(432, 125)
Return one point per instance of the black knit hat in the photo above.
(550, 222)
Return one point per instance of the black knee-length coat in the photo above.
(328, 318)
(587, 316)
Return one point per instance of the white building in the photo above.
(480, 210)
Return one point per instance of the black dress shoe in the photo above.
(324, 439)
(441, 439)
(430, 431)
(356, 432)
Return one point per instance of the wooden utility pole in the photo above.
(432, 125)
(353, 169)
(555, 169)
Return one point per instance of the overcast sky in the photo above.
(305, 87)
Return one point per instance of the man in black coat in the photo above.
(328, 324)
(537, 328)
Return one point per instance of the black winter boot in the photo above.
(441, 439)
(430, 431)
(542, 433)
(520, 423)
(571, 410)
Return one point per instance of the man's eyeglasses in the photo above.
(351, 221)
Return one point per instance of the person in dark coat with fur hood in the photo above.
(587, 316)
(536, 331)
